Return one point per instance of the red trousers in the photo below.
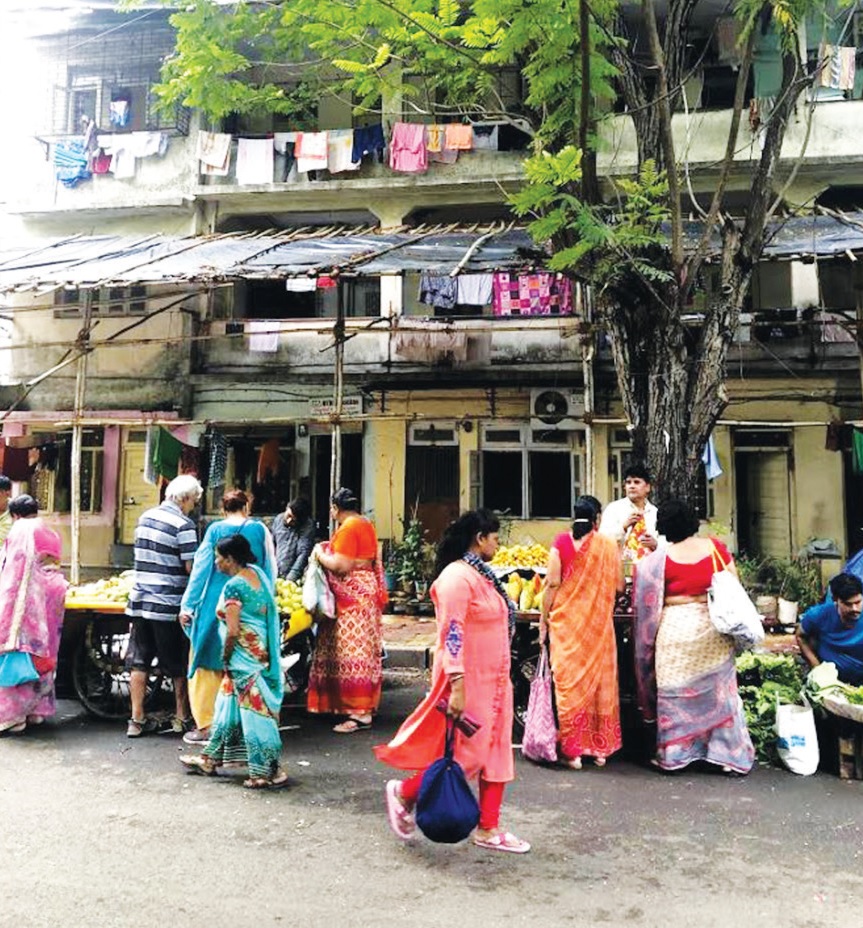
(490, 799)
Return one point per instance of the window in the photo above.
(53, 488)
(269, 299)
(106, 301)
(530, 473)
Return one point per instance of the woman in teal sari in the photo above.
(245, 726)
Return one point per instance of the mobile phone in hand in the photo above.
(466, 724)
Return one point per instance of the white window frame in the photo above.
(104, 302)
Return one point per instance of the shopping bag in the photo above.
(17, 667)
(318, 598)
(540, 732)
(731, 610)
(796, 741)
(446, 809)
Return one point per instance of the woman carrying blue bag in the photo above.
(198, 609)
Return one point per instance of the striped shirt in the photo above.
(165, 540)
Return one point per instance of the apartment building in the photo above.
(222, 302)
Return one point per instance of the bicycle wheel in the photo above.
(99, 674)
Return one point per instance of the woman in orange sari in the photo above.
(346, 673)
(584, 574)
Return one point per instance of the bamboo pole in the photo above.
(77, 436)
(338, 395)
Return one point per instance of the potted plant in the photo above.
(799, 588)
(407, 557)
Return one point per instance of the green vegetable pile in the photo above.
(823, 680)
(761, 678)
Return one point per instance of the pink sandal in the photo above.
(503, 841)
(400, 819)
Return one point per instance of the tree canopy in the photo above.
(578, 64)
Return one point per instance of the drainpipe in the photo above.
(338, 394)
(83, 345)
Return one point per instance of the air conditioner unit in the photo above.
(556, 409)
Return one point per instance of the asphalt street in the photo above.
(97, 829)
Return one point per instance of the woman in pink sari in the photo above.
(32, 604)
(471, 678)
(584, 573)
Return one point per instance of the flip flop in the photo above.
(503, 841)
(197, 763)
(351, 725)
(400, 819)
(280, 781)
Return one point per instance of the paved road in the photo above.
(99, 830)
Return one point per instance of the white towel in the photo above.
(340, 147)
(214, 152)
(255, 161)
(311, 151)
(301, 284)
(281, 139)
(147, 144)
(122, 162)
(474, 289)
(263, 335)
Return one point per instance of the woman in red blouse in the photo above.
(687, 681)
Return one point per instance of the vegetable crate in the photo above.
(850, 743)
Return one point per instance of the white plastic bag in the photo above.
(731, 610)
(318, 598)
(796, 740)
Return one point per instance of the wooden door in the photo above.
(138, 495)
(766, 509)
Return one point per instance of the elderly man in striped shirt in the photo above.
(165, 544)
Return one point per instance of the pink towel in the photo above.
(408, 148)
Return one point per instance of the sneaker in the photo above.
(135, 728)
(178, 726)
(197, 736)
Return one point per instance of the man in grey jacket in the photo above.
(294, 535)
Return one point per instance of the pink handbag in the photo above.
(540, 732)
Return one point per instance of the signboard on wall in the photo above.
(323, 407)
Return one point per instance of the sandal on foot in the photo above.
(401, 820)
(574, 763)
(137, 727)
(350, 725)
(502, 841)
(599, 761)
(279, 781)
(197, 763)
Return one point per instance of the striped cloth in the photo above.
(164, 540)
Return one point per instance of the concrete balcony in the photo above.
(832, 155)
(416, 350)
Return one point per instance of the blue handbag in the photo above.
(446, 809)
(16, 667)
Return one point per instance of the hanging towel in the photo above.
(311, 151)
(101, 163)
(301, 284)
(436, 145)
(166, 454)
(340, 151)
(263, 335)
(118, 113)
(254, 161)
(368, 140)
(123, 163)
(438, 290)
(561, 295)
(269, 460)
(214, 153)
(458, 136)
(147, 144)
(837, 66)
(71, 164)
(474, 289)
(847, 67)
(150, 475)
(710, 460)
(218, 458)
(281, 140)
(856, 451)
(408, 148)
(485, 136)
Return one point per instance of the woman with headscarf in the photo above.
(32, 605)
(471, 675)
(584, 574)
(346, 672)
(198, 608)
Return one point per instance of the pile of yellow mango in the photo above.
(525, 593)
(535, 555)
(109, 590)
(289, 599)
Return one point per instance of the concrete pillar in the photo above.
(391, 214)
(384, 475)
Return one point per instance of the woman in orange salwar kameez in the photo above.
(471, 674)
(584, 574)
(346, 674)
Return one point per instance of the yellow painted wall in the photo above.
(384, 475)
(819, 485)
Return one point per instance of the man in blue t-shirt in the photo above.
(833, 631)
